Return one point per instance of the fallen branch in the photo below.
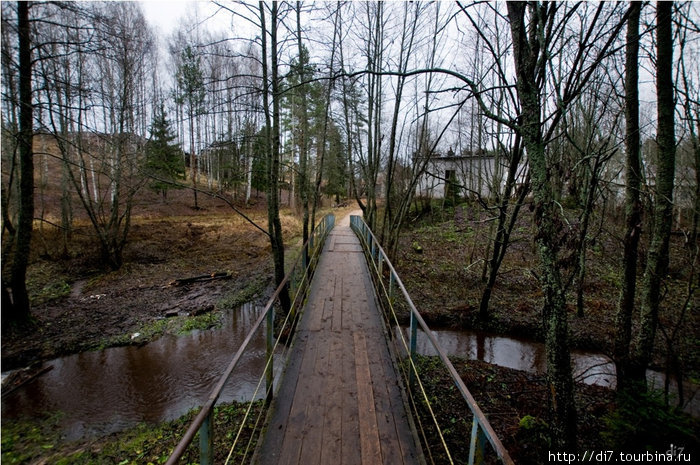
(201, 278)
(22, 377)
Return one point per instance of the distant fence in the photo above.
(297, 283)
(395, 299)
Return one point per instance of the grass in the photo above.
(249, 292)
(26, 442)
(177, 325)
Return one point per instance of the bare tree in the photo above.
(534, 29)
(657, 257)
(271, 85)
(18, 311)
(633, 207)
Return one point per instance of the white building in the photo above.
(468, 175)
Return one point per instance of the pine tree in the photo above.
(163, 158)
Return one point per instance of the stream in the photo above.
(113, 389)
(525, 355)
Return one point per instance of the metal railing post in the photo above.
(477, 444)
(482, 431)
(270, 339)
(412, 346)
(305, 258)
(206, 441)
(391, 285)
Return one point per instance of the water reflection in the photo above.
(521, 354)
(109, 390)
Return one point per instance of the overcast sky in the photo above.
(164, 15)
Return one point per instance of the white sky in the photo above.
(164, 15)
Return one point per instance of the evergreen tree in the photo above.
(164, 163)
(260, 165)
(336, 166)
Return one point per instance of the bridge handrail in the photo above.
(376, 253)
(202, 422)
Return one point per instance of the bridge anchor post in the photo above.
(477, 444)
(206, 441)
(270, 347)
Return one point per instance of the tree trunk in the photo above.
(273, 147)
(504, 228)
(657, 258)
(303, 134)
(193, 159)
(633, 206)
(559, 375)
(18, 312)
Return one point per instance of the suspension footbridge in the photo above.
(350, 391)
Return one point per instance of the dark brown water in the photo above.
(109, 390)
(521, 354)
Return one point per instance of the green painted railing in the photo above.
(296, 282)
(393, 295)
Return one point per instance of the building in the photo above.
(471, 174)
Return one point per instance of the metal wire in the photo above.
(300, 291)
(410, 361)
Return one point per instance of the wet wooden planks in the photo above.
(339, 402)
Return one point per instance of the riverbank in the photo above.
(515, 402)
(78, 307)
(32, 442)
(441, 261)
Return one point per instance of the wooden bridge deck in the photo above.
(339, 402)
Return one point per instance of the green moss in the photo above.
(24, 440)
(30, 442)
(200, 322)
(46, 282)
(177, 325)
(238, 297)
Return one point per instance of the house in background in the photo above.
(471, 174)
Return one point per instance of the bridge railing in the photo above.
(396, 301)
(296, 283)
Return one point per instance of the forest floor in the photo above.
(77, 306)
(440, 261)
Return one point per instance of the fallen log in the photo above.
(201, 278)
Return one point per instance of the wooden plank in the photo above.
(314, 399)
(395, 434)
(328, 308)
(318, 307)
(294, 427)
(333, 412)
(337, 320)
(277, 427)
(369, 435)
(350, 426)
